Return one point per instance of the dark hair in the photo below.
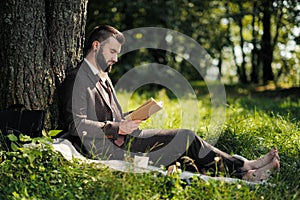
(101, 33)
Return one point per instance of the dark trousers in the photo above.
(164, 147)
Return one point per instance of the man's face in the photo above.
(107, 54)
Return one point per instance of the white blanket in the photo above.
(68, 151)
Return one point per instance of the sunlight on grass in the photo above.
(252, 127)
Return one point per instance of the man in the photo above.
(95, 120)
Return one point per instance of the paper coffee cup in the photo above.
(141, 161)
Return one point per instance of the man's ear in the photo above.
(96, 45)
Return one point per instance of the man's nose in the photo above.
(115, 58)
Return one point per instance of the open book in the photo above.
(145, 111)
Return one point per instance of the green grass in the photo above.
(252, 127)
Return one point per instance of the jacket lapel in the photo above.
(101, 91)
(95, 80)
(113, 92)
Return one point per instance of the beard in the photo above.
(101, 62)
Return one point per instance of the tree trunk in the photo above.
(254, 53)
(266, 47)
(242, 74)
(40, 39)
(220, 61)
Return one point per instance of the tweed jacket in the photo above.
(86, 109)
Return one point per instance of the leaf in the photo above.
(12, 137)
(15, 194)
(53, 133)
(31, 158)
(44, 133)
(14, 147)
(32, 177)
(25, 138)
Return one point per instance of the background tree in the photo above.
(255, 59)
(247, 40)
(263, 27)
(266, 44)
(40, 40)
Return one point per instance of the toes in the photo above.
(274, 153)
(263, 173)
(257, 175)
(277, 164)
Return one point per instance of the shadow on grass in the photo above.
(283, 102)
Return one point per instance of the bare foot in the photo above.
(260, 162)
(262, 173)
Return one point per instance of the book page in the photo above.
(145, 110)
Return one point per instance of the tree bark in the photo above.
(255, 52)
(40, 39)
(242, 74)
(266, 47)
(22, 67)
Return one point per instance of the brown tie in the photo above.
(113, 104)
(120, 140)
(107, 89)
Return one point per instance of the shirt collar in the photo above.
(95, 70)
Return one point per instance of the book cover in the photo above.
(145, 110)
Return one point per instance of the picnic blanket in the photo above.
(69, 152)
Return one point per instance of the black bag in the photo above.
(17, 119)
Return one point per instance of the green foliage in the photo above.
(252, 127)
(53, 133)
(230, 31)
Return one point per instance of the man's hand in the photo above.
(128, 126)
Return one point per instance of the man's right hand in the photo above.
(128, 126)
